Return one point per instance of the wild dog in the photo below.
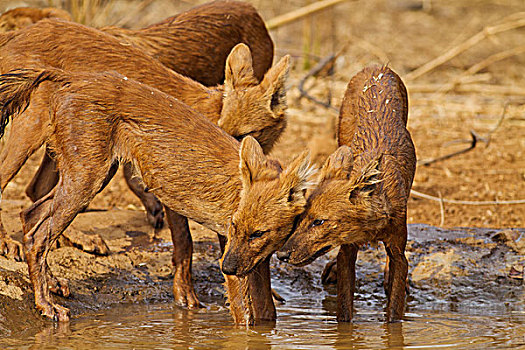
(100, 118)
(242, 107)
(194, 43)
(363, 189)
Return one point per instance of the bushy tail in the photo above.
(16, 88)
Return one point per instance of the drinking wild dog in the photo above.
(201, 178)
(22, 17)
(195, 44)
(241, 107)
(363, 189)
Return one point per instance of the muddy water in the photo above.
(299, 326)
(306, 321)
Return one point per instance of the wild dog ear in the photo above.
(367, 181)
(297, 178)
(338, 165)
(239, 68)
(252, 161)
(274, 83)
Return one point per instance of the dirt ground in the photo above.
(404, 34)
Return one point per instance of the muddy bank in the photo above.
(474, 270)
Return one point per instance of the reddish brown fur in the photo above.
(194, 43)
(210, 30)
(132, 122)
(363, 189)
(49, 43)
(22, 17)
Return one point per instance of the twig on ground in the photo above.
(453, 201)
(488, 137)
(476, 88)
(483, 64)
(472, 41)
(326, 64)
(295, 15)
(473, 143)
(441, 210)
(491, 131)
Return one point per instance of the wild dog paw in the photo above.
(155, 214)
(11, 249)
(54, 311)
(185, 296)
(329, 275)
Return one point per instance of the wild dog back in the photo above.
(202, 37)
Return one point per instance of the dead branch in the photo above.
(295, 15)
(453, 201)
(472, 41)
(325, 65)
(488, 137)
(481, 65)
(470, 88)
(473, 143)
(441, 210)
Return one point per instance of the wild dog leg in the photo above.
(261, 292)
(346, 281)
(25, 137)
(397, 275)
(183, 290)
(154, 211)
(30, 218)
(45, 178)
(76, 188)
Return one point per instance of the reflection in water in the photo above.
(168, 327)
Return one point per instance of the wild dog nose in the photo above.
(229, 267)
(284, 256)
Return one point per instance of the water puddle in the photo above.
(463, 295)
(306, 321)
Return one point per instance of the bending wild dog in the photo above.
(201, 178)
(241, 107)
(194, 43)
(22, 17)
(363, 189)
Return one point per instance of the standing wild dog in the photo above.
(194, 43)
(199, 177)
(363, 189)
(242, 107)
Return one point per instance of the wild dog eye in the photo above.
(257, 234)
(317, 222)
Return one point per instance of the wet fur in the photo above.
(363, 189)
(40, 44)
(132, 122)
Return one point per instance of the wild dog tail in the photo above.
(16, 88)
